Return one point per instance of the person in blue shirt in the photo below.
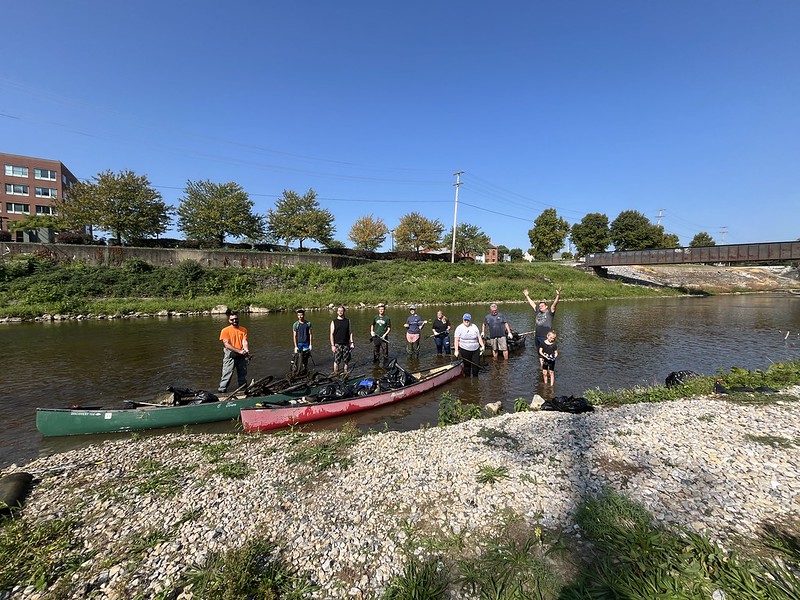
(413, 325)
(302, 336)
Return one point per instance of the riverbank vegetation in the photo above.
(32, 286)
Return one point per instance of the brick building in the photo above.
(29, 186)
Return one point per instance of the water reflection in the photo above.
(605, 344)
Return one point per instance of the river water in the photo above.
(602, 344)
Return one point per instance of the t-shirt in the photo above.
(496, 325)
(549, 350)
(302, 331)
(381, 324)
(544, 323)
(441, 326)
(414, 323)
(234, 335)
(468, 336)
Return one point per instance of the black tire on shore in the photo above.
(13, 489)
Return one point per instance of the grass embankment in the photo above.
(30, 286)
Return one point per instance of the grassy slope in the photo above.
(32, 288)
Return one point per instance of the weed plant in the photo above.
(638, 559)
(324, 453)
(38, 554)
(452, 410)
(251, 571)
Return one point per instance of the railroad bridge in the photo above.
(731, 253)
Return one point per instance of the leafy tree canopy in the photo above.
(548, 234)
(123, 204)
(470, 241)
(300, 218)
(211, 211)
(631, 230)
(40, 222)
(516, 254)
(670, 240)
(702, 239)
(591, 234)
(415, 232)
(368, 233)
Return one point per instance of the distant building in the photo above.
(29, 186)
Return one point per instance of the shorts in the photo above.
(548, 365)
(498, 344)
(342, 353)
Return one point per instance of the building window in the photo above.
(17, 189)
(43, 192)
(45, 210)
(16, 171)
(45, 174)
(18, 208)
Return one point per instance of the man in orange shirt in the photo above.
(234, 340)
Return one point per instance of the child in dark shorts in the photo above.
(548, 352)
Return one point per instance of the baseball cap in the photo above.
(467, 317)
(381, 305)
(412, 307)
(301, 310)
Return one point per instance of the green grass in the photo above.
(39, 554)
(325, 453)
(30, 287)
(778, 375)
(251, 571)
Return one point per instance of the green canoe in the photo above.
(79, 421)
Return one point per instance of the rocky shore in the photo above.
(711, 465)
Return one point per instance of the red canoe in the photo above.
(272, 417)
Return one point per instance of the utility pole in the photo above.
(455, 216)
(660, 210)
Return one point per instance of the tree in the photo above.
(123, 204)
(548, 234)
(415, 232)
(670, 240)
(470, 241)
(33, 222)
(300, 218)
(211, 211)
(631, 230)
(591, 234)
(502, 251)
(515, 254)
(702, 239)
(368, 233)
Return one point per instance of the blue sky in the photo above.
(688, 109)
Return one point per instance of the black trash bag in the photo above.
(395, 377)
(184, 396)
(336, 390)
(677, 378)
(569, 404)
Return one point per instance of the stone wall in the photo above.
(117, 255)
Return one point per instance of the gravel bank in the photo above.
(704, 463)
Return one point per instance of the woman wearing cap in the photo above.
(469, 343)
(413, 325)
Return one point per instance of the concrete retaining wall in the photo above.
(117, 255)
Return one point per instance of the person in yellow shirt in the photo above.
(235, 353)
